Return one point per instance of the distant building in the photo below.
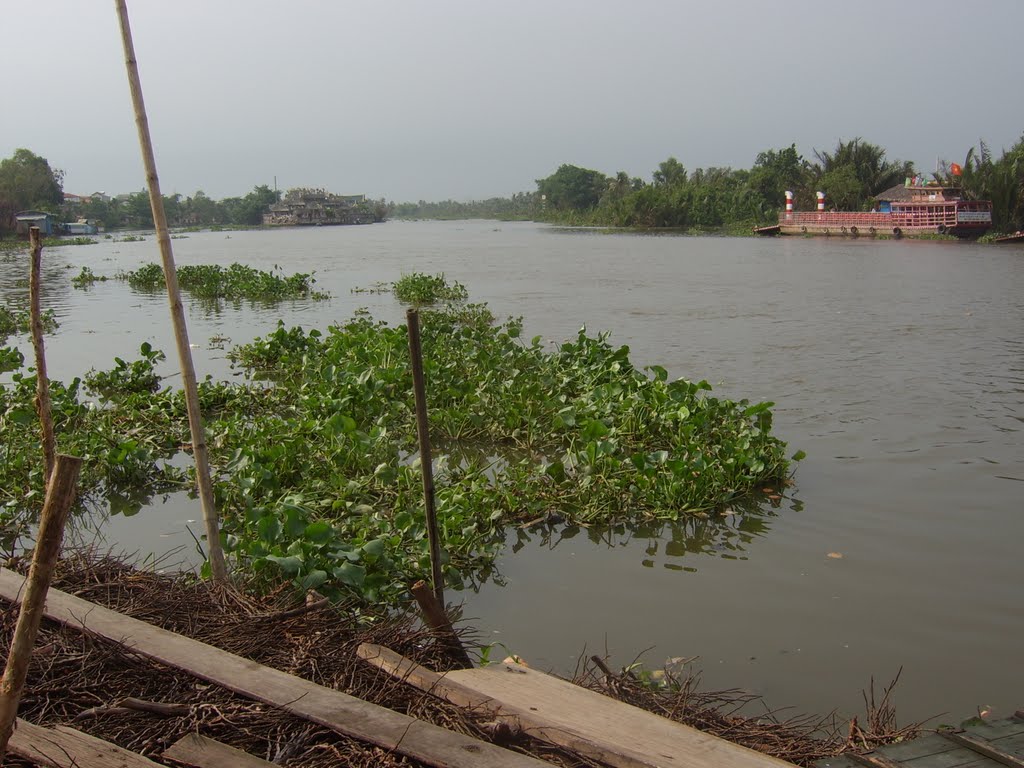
(25, 220)
(317, 207)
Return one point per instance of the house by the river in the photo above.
(317, 207)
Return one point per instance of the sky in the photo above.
(470, 99)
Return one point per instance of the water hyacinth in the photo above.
(318, 475)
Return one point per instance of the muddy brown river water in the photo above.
(897, 366)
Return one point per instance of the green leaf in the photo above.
(350, 574)
(314, 579)
(374, 549)
(556, 471)
(289, 565)
(799, 456)
(319, 532)
(269, 529)
(660, 374)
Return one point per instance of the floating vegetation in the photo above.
(14, 321)
(211, 281)
(319, 479)
(86, 278)
(420, 289)
(130, 239)
(56, 242)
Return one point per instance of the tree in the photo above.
(573, 188)
(670, 173)
(775, 172)
(874, 173)
(28, 182)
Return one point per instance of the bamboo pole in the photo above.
(426, 465)
(218, 567)
(60, 493)
(43, 408)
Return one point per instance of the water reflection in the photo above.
(674, 546)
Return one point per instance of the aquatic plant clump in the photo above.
(238, 281)
(318, 473)
(420, 289)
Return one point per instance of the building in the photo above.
(25, 220)
(317, 207)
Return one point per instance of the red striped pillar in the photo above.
(789, 204)
(821, 202)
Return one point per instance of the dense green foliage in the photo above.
(317, 476)
(851, 175)
(211, 281)
(518, 207)
(27, 182)
(420, 289)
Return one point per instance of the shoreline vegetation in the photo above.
(715, 200)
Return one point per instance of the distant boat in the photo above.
(79, 228)
(903, 210)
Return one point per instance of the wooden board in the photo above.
(332, 709)
(561, 713)
(202, 752)
(62, 747)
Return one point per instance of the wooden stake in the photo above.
(435, 618)
(218, 568)
(426, 464)
(60, 494)
(43, 408)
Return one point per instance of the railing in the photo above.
(836, 219)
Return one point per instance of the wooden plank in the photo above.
(202, 752)
(594, 725)
(990, 749)
(929, 744)
(842, 761)
(997, 729)
(332, 709)
(958, 757)
(62, 747)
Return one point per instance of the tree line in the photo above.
(851, 176)
(27, 182)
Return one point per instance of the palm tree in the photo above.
(874, 173)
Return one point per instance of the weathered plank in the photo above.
(923, 746)
(957, 757)
(990, 749)
(202, 752)
(62, 747)
(332, 709)
(561, 713)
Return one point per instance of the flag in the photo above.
(956, 170)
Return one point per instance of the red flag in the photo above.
(956, 170)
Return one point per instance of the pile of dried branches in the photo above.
(800, 739)
(107, 690)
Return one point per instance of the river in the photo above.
(898, 366)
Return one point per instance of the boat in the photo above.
(907, 209)
(1016, 237)
(80, 227)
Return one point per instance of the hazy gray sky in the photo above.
(472, 98)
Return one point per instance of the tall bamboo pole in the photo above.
(218, 568)
(42, 382)
(412, 318)
(60, 493)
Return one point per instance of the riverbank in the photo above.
(84, 682)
